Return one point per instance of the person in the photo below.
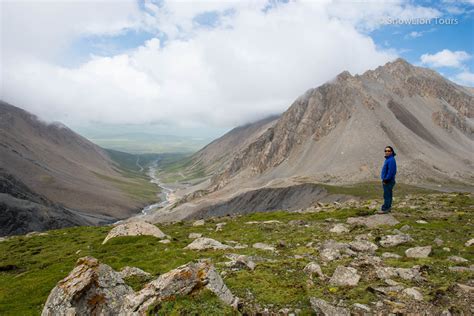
(389, 170)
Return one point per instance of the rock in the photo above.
(194, 235)
(418, 252)
(345, 276)
(395, 240)
(457, 259)
(219, 226)
(240, 261)
(178, 282)
(413, 293)
(469, 243)
(390, 255)
(447, 249)
(314, 268)
(298, 222)
(165, 241)
(405, 228)
(331, 250)
(439, 242)
(273, 221)
(329, 254)
(339, 229)
(373, 220)
(138, 228)
(462, 269)
(203, 243)
(127, 272)
(363, 246)
(199, 222)
(465, 288)
(387, 290)
(263, 246)
(404, 273)
(91, 288)
(366, 260)
(391, 282)
(420, 221)
(361, 308)
(324, 308)
(282, 244)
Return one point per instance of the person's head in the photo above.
(389, 151)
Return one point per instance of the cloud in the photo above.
(465, 78)
(254, 60)
(445, 58)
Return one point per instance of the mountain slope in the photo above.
(336, 133)
(66, 169)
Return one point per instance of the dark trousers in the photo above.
(387, 194)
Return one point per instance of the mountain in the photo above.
(336, 134)
(60, 171)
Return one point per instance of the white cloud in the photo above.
(465, 78)
(252, 64)
(445, 58)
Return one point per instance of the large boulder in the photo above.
(138, 228)
(180, 281)
(373, 221)
(91, 288)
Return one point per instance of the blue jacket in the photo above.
(389, 169)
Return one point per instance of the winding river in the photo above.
(164, 195)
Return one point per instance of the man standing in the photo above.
(389, 170)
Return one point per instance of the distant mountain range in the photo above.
(52, 177)
(336, 134)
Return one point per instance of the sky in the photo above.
(199, 68)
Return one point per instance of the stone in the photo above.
(127, 272)
(199, 222)
(324, 308)
(331, 250)
(273, 221)
(465, 288)
(469, 243)
(390, 255)
(439, 242)
(457, 259)
(395, 240)
(387, 290)
(420, 221)
(204, 243)
(363, 246)
(329, 254)
(462, 269)
(373, 221)
(240, 261)
(91, 288)
(339, 229)
(181, 281)
(298, 222)
(405, 228)
(418, 252)
(404, 273)
(345, 276)
(219, 226)
(361, 307)
(137, 228)
(413, 293)
(263, 246)
(314, 268)
(165, 241)
(194, 235)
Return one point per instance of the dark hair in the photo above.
(393, 151)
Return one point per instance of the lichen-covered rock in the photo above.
(418, 252)
(363, 246)
(324, 308)
(128, 272)
(313, 268)
(180, 281)
(413, 293)
(137, 228)
(395, 240)
(339, 229)
(404, 273)
(240, 261)
(345, 276)
(263, 246)
(91, 288)
(204, 243)
(373, 221)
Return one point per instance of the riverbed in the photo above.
(165, 195)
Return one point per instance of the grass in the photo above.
(31, 266)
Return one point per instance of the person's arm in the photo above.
(391, 170)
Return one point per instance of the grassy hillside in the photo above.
(31, 266)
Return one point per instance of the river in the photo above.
(164, 195)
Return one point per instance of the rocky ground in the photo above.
(332, 259)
